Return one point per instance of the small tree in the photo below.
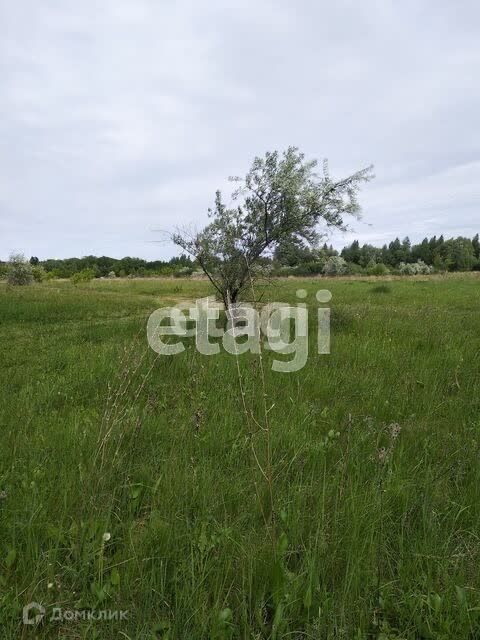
(476, 245)
(291, 252)
(414, 268)
(19, 270)
(280, 198)
(83, 276)
(335, 266)
(38, 272)
(377, 269)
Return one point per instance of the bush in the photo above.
(184, 272)
(39, 273)
(309, 269)
(414, 268)
(83, 276)
(377, 269)
(303, 270)
(19, 270)
(423, 268)
(406, 269)
(354, 269)
(335, 266)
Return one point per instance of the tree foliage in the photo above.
(83, 276)
(19, 271)
(335, 266)
(454, 254)
(280, 199)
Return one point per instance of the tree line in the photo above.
(104, 267)
(294, 257)
(453, 254)
(291, 257)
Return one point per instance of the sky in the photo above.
(119, 119)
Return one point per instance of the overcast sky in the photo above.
(124, 116)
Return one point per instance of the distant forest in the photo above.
(294, 258)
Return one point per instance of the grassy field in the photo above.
(342, 502)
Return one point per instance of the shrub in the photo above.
(83, 276)
(38, 272)
(354, 269)
(112, 274)
(406, 269)
(57, 273)
(414, 268)
(184, 272)
(425, 268)
(19, 270)
(306, 269)
(335, 266)
(377, 269)
(310, 268)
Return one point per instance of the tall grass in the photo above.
(142, 483)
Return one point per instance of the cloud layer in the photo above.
(119, 118)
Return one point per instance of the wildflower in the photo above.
(382, 454)
(106, 537)
(395, 429)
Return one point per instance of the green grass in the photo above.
(354, 533)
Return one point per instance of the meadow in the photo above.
(214, 498)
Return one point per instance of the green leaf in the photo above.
(307, 598)
(278, 581)
(162, 630)
(282, 544)
(461, 595)
(98, 591)
(225, 616)
(435, 601)
(10, 558)
(136, 491)
(277, 620)
(115, 577)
